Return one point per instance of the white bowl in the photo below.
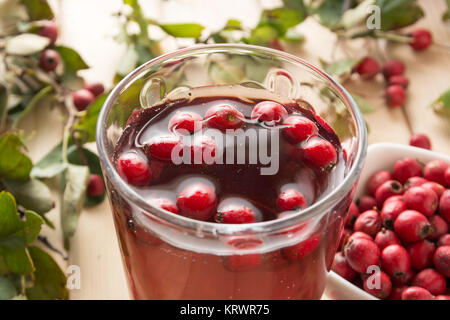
(379, 156)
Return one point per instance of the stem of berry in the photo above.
(36, 99)
(392, 36)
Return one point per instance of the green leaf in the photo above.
(88, 123)
(232, 24)
(363, 105)
(76, 180)
(50, 165)
(31, 194)
(93, 161)
(10, 222)
(295, 5)
(31, 227)
(7, 289)
(262, 35)
(446, 14)
(16, 256)
(3, 105)
(14, 164)
(26, 44)
(73, 62)
(183, 30)
(282, 19)
(340, 67)
(330, 12)
(49, 279)
(442, 104)
(397, 14)
(38, 9)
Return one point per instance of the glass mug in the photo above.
(168, 256)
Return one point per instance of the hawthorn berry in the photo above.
(165, 204)
(82, 99)
(359, 234)
(368, 222)
(96, 88)
(377, 179)
(421, 199)
(444, 205)
(435, 171)
(96, 186)
(383, 290)
(444, 240)
(319, 153)
(49, 30)
(235, 214)
(412, 226)
(387, 189)
(368, 68)
(420, 140)
(416, 293)
(366, 203)
(352, 214)
(390, 212)
(405, 169)
(341, 267)
(386, 238)
(395, 260)
(430, 280)
(185, 120)
(161, 148)
(438, 227)
(361, 253)
(421, 254)
(422, 39)
(398, 80)
(302, 249)
(441, 260)
(49, 60)
(393, 68)
(435, 187)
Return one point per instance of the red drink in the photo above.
(287, 263)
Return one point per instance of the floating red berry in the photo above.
(341, 267)
(395, 260)
(303, 248)
(441, 260)
(96, 186)
(319, 153)
(368, 222)
(416, 293)
(377, 179)
(82, 99)
(49, 60)
(430, 280)
(242, 262)
(269, 112)
(421, 254)
(298, 129)
(421, 199)
(235, 214)
(405, 169)
(161, 148)
(185, 120)
(49, 30)
(395, 95)
(398, 80)
(290, 200)
(435, 171)
(134, 169)
(96, 88)
(361, 253)
(382, 290)
(393, 68)
(412, 226)
(224, 117)
(165, 204)
(368, 68)
(197, 201)
(204, 150)
(422, 39)
(420, 140)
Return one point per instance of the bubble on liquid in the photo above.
(282, 83)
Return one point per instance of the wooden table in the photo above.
(88, 27)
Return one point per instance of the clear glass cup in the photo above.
(168, 256)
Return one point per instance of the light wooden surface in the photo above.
(88, 26)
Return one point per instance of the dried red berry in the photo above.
(381, 290)
(406, 168)
(441, 260)
(359, 234)
(185, 120)
(430, 280)
(444, 240)
(361, 253)
(435, 187)
(235, 214)
(444, 205)
(352, 214)
(366, 203)
(414, 182)
(435, 171)
(377, 179)
(416, 293)
(341, 267)
(390, 212)
(412, 226)
(421, 254)
(438, 227)
(386, 238)
(388, 189)
(422, 200)
(368, 68)
(395, 260)
(368, 222)
(224, 117)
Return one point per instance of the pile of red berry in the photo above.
(401, 226)
(199, 200)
